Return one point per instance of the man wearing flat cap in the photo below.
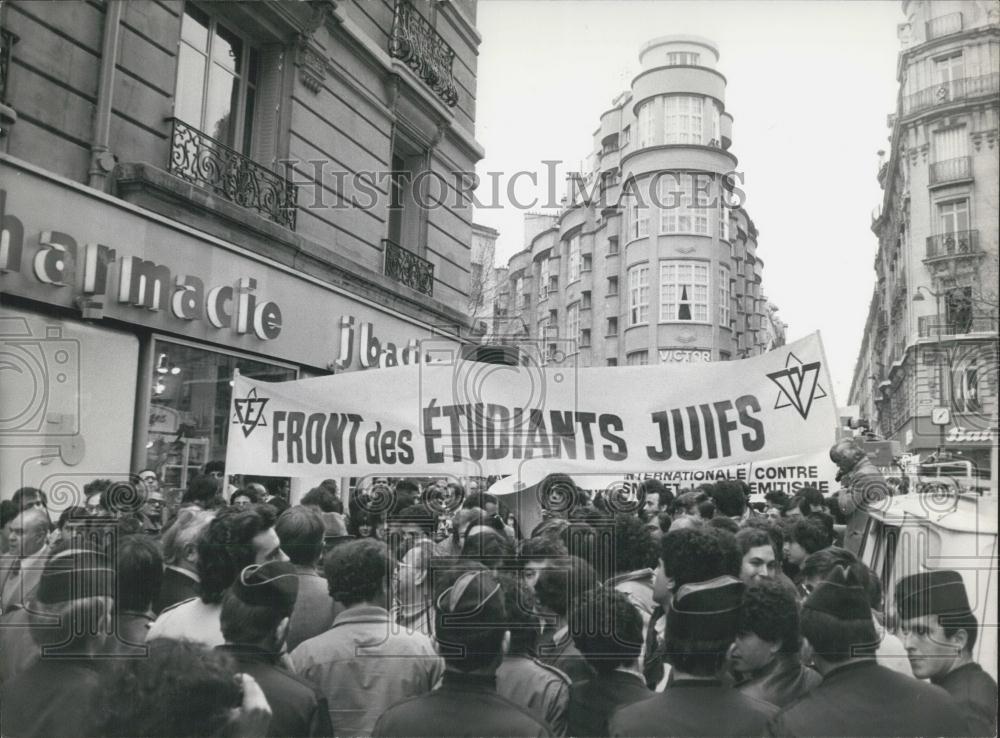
(857, 695)
(939, 633)
(702, 620)
(256, 611)
(70, 622)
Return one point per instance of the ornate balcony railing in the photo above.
(931, 326)
(407, 268)
(7, 41)
(957, 243)
(203, 161)
(943, 26)
(948, 92)
(413, 40)
(951, 170)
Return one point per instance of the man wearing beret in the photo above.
(256, 612)
(863, 487)
(70, 622)
(857, 695)
(939, 633)
(702, 620)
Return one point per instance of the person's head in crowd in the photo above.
(149, 479)
(686, 504)
(409, 525)
(8, 511)
(140, 573)
(300, 530)
(461, 522)
(937, 625)
(71, 611)
(699, 554)
(471, 623)
(607, 630)
(723, 522)
(258, 606)
(180, 540)
(359, 573)
(776, 502)
(95, 494)
(836, 618)
(760, 557)
(730, 498)
(181, 689)
(634, 548)
(523, 622)
(804, 536)
(407, 494)
(258, 490)
(768, 626)
(655, 497)
(322, 499)
(551, 528)
(233, 540)
(819, 565)
(706, 509)
(203, 491)
(664, 522)
(826, 520)
(493, 550)
(701, 624)
(240, 498)
(28, 531)
(558, 495)
(330, 485)
(363, 524)
(559, 588)
(534, 555)
(25, 497)
(805, 502)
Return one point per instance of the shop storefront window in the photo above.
(190, 399)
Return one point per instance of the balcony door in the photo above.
(949, 71)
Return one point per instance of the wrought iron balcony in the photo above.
(931, 326)
(943, 26)
(413, 40)
(205, 162)
(951, 170)
(407, 268)
(957, 243)
(954, 91)
(7, 41)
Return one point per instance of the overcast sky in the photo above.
(809, 86)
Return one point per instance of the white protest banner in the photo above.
(469, 418)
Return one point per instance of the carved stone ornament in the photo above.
(684, 248)
(686, 337)
(310, 54)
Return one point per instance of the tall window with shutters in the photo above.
(638, 295)
(724, 296)
(573, 250)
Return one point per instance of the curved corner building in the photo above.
(652, 259)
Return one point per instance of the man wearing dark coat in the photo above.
(858, 696)
(470, 631)
(701, 623)
(256, 611)
(863, 487)
(939, 633)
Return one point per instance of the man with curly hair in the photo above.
(365, 662)
(764, 657)
(233, 540)
(634, 564)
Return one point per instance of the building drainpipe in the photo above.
(102, 161)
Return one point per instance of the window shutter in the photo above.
(265, 125)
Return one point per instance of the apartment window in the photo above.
(724, 296)
(724, 215)
(682, 58)
(638, 219)
(573, 321)
(716, 126)
(612, 245)
(684, 291)
(958, 310)
(519, 290)
(405, 215)
(553, 317)
(683, 120)
(217, 74)
(612, 286)
(612, 326)
(685, 209)
(646, 122)
(585, 338)
(951, 143)
(953, 217)
(585, 300)
(949, 69)
(638, 295)
(574, 258)
(625, 136)
(586, 262)
(965, 387)
(637, 358)
(543, 280)
(612, 362)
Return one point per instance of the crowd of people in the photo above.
(422, 609)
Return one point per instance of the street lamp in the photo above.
(940, 416)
